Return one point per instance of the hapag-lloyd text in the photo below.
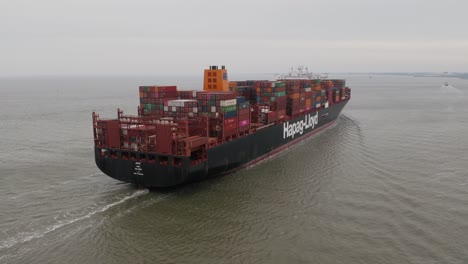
(290, 130)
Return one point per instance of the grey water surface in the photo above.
(387, 184)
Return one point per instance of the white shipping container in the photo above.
(228, 102)
(166, 108)
(213, 109)
(308, 89)
(179, 102)
(170, 102)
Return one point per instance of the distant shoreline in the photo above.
(424, 74)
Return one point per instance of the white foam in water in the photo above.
(25, 237)
(451, 97)
(449, 89)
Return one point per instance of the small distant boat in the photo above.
(446, 84)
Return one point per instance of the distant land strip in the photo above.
(460, 75)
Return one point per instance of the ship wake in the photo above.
(28, 236)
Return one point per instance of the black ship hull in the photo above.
(221, 159)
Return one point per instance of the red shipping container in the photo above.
(113, 133)
(230, 126)
(232, 120)
(163, 139)
(230, 130)
(281, 113)
(244, 111)
(244, 117)
(272, 116)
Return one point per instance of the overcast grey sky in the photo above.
(182, 37)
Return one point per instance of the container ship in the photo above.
(182, 136)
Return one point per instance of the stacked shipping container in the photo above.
(181, 108)
(221, 108)
(243, 114)
(273, 95)
(187, 94)
(229, 113)
(152, 98)
(293, 103)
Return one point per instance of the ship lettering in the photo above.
(290, 130)
(138, 169)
